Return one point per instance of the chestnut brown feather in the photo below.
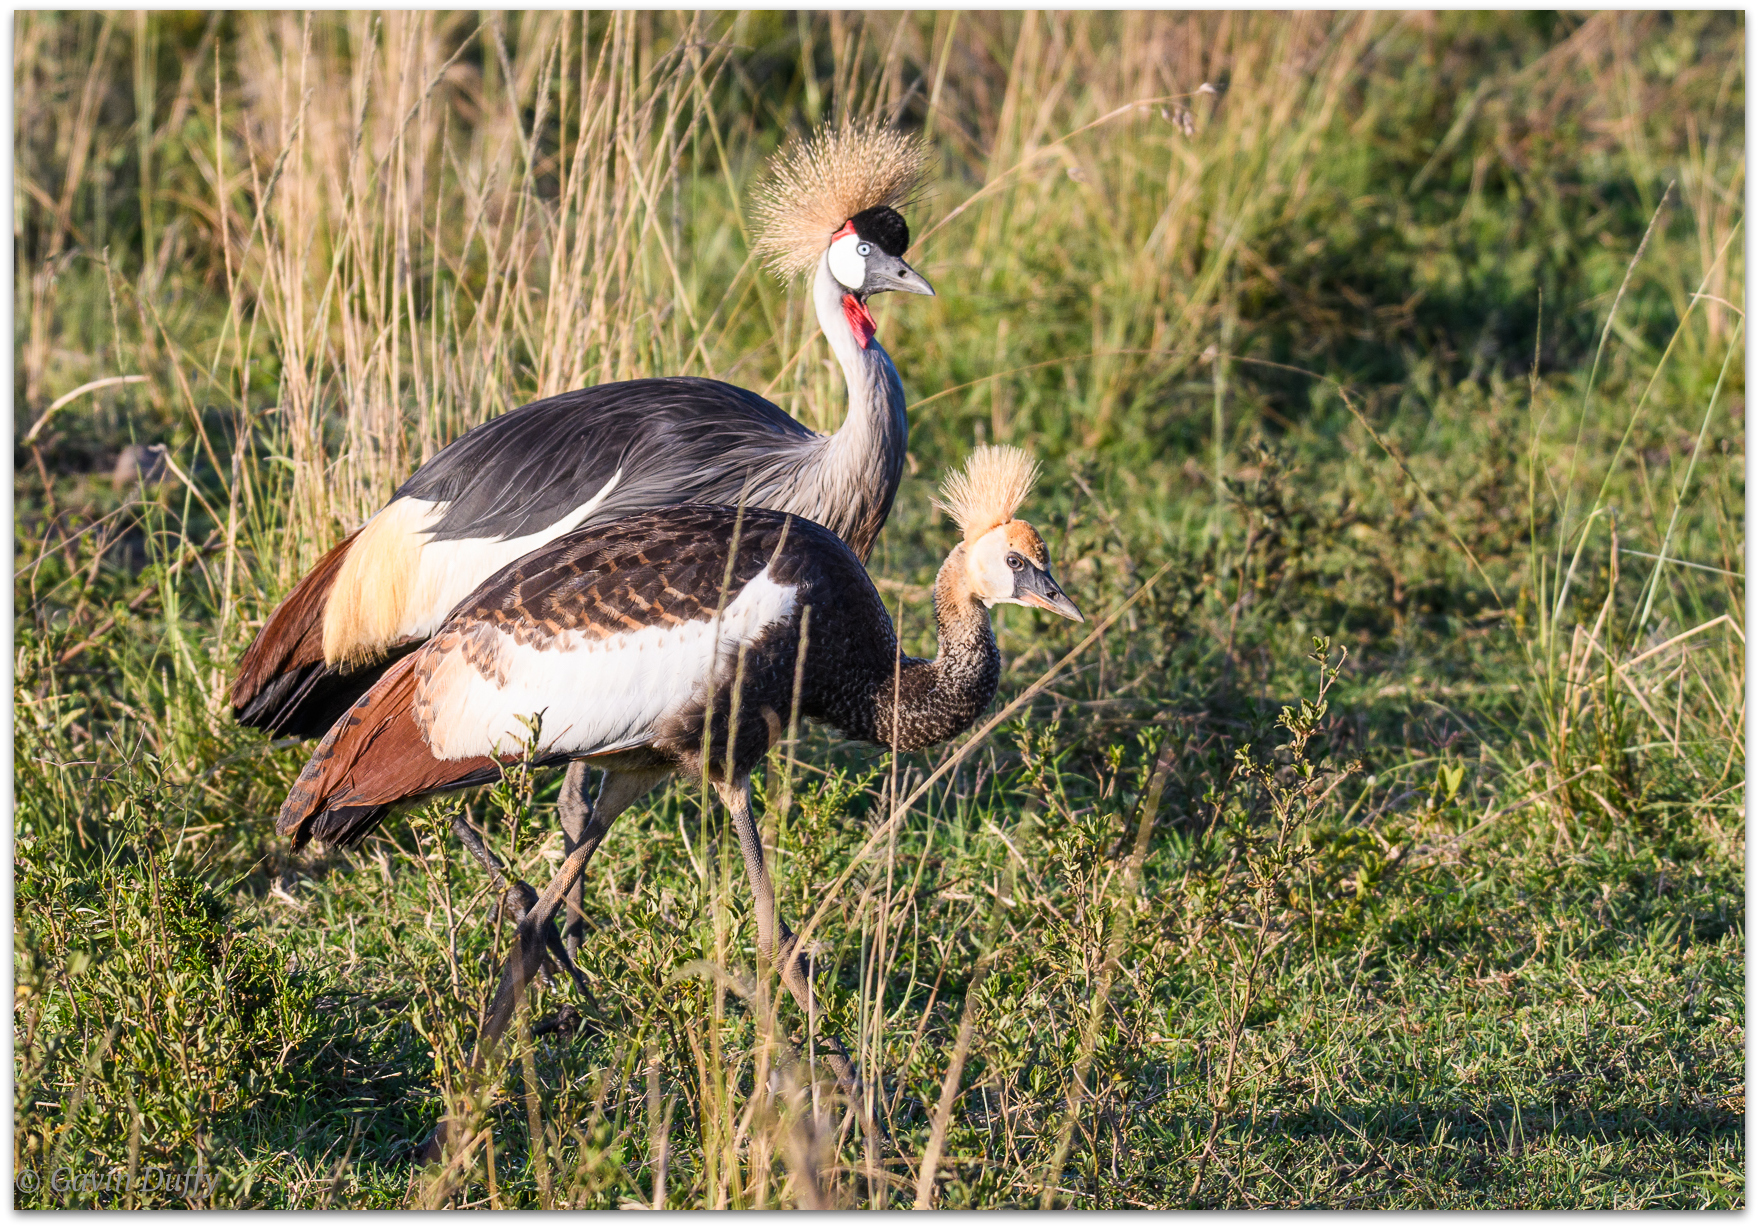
(294, 635)
(283, 683)
(373, 758)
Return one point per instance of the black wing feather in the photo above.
(676, 440)
(305, 701)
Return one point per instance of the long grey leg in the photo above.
(781, 948)
(575, 807)
(617, 793)
(517, 897)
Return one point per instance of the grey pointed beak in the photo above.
(1036, 588)
(901, 277)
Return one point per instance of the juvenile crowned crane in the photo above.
(508, 486)
(634, 639)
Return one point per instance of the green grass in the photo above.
(1387, 851)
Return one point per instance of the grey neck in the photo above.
(864, 459)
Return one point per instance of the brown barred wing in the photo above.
(609, 637)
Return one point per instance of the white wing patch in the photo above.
(450, 570)
(596, 694)
(395, 584)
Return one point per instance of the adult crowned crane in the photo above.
(516, 482)
(679, 640)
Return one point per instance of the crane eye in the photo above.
(1016, 562)
(863, 249)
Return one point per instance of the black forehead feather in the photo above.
(884, 228)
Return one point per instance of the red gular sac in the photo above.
(860, 319)
(854, 310)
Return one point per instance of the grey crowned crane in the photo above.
(588, 457)
(636, 639)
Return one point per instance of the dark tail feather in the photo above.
(373, 758)
(306, 700)
(278, 662)
(342, 826)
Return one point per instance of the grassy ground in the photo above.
(1384, 850)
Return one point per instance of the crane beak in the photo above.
(902, 277)
(1036, 588)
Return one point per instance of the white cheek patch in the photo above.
(597, 695)
(992, 580)
(848, 265)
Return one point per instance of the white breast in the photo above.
(595, 694)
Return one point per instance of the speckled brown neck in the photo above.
(941, 698)
(959, 615)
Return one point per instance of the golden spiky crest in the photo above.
(817, 184)
(994, 483)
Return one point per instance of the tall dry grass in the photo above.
(356, 235)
